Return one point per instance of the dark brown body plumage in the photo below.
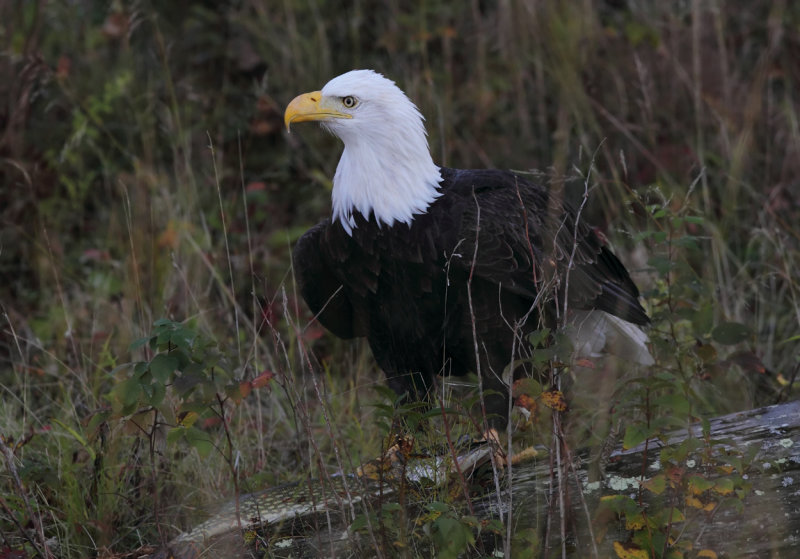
(404, 287)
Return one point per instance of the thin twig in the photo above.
(495, 469)
(227, 244)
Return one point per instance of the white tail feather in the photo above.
(593, 332)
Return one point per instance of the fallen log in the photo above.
(729, 490)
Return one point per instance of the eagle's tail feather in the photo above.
(592, 332)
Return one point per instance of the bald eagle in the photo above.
(447, 271)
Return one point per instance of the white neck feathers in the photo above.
(386, 169)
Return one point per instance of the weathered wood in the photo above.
(763, 521)
(761, 518)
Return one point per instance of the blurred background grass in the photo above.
(129, 129)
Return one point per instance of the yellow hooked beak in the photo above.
(308, 106)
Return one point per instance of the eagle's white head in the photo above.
(386, 168)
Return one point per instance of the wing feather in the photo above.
(527, 242)
(318, 284)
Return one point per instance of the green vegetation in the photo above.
(154, 355)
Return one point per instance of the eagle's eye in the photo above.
(349, 101)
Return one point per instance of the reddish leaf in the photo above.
(747, 361)
(245, 388)
(211, 422)
(256, 186)
(262, 380)
(675, 474)
(63, 67)
(115, 25)
(95, 255)
(525, 401)
(8, 553)
(168, 238)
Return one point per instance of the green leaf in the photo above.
(687, 241)
(96, 420)
(184, 337)
(698, 484)
(678, 404)
(661, 264)
(385, 392)
(707, 428)
(162, 366)
(451, 537)
(391, 507)
(157, 394)
(635, 434)
(187, 381)
(525, 542)
(537, 337)
(619, 504)
(437, 506)
(182, 357)
(667, 516)
(140, 369)
(164, 338)
(730, 333)
(136, 344)
(656, 484)
(724, 486)
(199, 441)
(175, 435)
(128, 391)
(363, 521)
(529, 386)
(659, 236)
(437, 412)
